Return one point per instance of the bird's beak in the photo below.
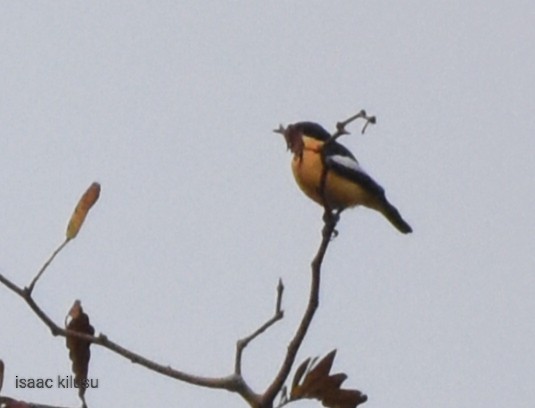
(280, 130)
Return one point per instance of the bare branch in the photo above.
(231, 382)
(313, 302)
(243, 343)
(341, 126)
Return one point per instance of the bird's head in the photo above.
(293, 134)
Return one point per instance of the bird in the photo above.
(317, 155)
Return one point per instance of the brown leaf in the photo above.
(319, 384)
(297, 378)
(344, 399)
(79, 348)
(315, 377)
(88, 199)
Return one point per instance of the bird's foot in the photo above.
(330, 219)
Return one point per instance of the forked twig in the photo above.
(243, 343)
(341, 126)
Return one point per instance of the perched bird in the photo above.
(346, 184)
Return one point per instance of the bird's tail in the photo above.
(393, 215)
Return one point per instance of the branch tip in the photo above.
(280, 291)
(341, 126)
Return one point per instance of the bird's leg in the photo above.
(327, 215)
(336, 217)
(328, 223)
(330, 216)
(330, 219)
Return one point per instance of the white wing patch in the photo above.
(348, 162)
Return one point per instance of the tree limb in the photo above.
(230, 382)
(313, 303)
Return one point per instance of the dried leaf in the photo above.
(344, 399)
(320, 371)
(297, 377)
(338, 379)
(88, 199)
(79, 352)
(319, 384)
(1, 374)
(315, 377)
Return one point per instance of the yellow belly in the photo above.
(339, 192)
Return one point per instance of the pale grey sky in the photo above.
(171, 106)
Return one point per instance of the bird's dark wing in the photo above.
(340, 160)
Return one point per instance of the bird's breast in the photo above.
(338, 191)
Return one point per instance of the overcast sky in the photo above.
(171, 108)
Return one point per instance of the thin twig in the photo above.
(280, 290)
(243, 343)
(48, 262)
(341, 126)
